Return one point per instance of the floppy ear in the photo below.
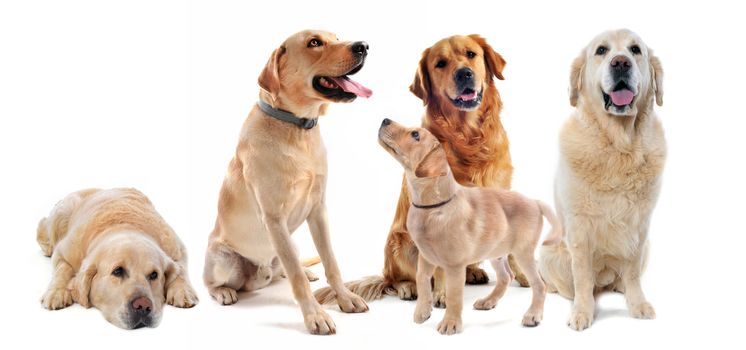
(434, 163)
(170, 272)
(269, 79)
(656, 71)
(421, 85)
(495, 63)
(80, 286)
(576, 78)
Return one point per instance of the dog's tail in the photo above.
(368, 288)
(308, 262)
(555, 236)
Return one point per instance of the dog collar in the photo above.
(432, 206)
(285, 116)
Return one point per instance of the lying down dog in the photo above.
(454, 226)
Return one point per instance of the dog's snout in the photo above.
(464, 75)
(360, 47)
(142, 306)
(385, 122)
(621, 63)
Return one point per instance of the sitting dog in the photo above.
(454, 226)
(111, 250)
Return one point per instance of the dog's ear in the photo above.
(80, 285)
(494, 62)
(269, 79)
(576, 78)
(433, 164)
(421, 85)
(656, 71)
(170, 271)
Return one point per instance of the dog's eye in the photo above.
(315, 43)
(471, 54)
(416, 135)
(601, 50)
(153, 275)
(635, 50)
(118, 272)
(441, 64)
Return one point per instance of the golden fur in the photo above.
(90, 233)
(465, 224)
(276, 181)
(607, 184)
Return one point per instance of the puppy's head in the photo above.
(616, 73)
(455, 72)
(418, 151)
(314, 65)
(125, 277)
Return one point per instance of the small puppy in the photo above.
(454, 226)
(110, 249)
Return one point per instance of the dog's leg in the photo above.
(318, 223)
(58, 296)
(582, 271)
(520, 277)
(179, 292)
(475, 275)
(535, 313)
(504, 276)
(425, 302)
(400, 253)
(223, 274)
(638, 306)
(455, 280)
(439, 287)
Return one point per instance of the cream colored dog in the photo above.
(612, 152)
(111, 250)
(277, 178)
(454, 226)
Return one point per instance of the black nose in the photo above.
(621, 63)
(386, 121)
(464, 75)
(360, 47)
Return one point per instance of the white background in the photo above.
(151, 94)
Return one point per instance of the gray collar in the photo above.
(279, 114)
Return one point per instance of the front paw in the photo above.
(318, 322)
(486, 303)
(439, 299)
(643, 311)
(475, 275)
(406, 290)
(580, 320)
(351, 303)
(58, 298)
(450, 326)
(182, 296)
(422, 312)
(224, 295)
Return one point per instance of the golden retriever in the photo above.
(454, 225)
(277, 178)
(455, 82)
(111, 250)
(612, 152)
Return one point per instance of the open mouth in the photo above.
(341, 87)
(621, 96)
(468, 99)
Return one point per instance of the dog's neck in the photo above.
(431, 191)
(300, 107)
(623, 133)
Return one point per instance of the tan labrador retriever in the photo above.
(277, 178)
(111, 250)
(612, 152)
(454, 226)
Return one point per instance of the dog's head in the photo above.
(314, 65)
(616, 73)
(418, 150)
(455, 72)
(125, 277)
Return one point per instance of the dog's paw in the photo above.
(532, 319)
(311, 276)
(182, 296)
(486, 303)
(450, 326)
(580, 320)
(319, 322)
(58, 298)
(352, 303)
(224, 295)
(422, 312)
(475, 275)
(643, 311)
(406, 290)
(439, 299)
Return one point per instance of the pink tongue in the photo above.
(469, 97)
(622, 97)
(352, 86)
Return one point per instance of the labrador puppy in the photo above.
(277, 179)
(111, 250)
(612, 153)
(454, 226)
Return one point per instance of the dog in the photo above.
(277, 178)
(455, 82)
(454, 226)
(111, 250)
(612, 154)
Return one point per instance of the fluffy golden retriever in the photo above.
(454, 225)
(455, 82)
(277, 179)
(612, 152)
(111, 250)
